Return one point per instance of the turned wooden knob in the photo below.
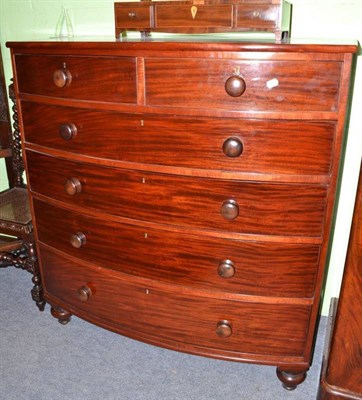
(223, 329)
(235, 86)
(72, 186)
(226, 269)
(232, 147)
(229, 209)
(62, 78)
(84, 293)
(77, 240)
(68, 131)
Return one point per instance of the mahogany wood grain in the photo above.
(186, 319)
(134, 16)
(203, 16)
(88, 83)
(264, 208)
(342, 366)
(169, 16)
(226, 47)
(297, 86)
(258, 16)
(206, 229)
(265, 269)
(268, 146)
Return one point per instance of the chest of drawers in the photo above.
(182, 192)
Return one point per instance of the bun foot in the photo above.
(62, 315)
(291, 379)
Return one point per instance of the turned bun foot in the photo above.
(62, 315)
(291, 379)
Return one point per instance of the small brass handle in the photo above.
(72, 186)
(62, 78)
(68, 131)
(230, 209)
(226, 269)
(233, 147)
(84, 293)
(78, 240)
(223, 329)
(235, 86)
(132, 15)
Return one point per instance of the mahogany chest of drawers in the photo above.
(182, 192)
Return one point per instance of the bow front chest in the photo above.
(182, 192)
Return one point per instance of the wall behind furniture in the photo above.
(37, 19)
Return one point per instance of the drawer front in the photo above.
(133, 16)
(196, 16)
(269, 85)
(234, 206)
(274, 329)
(235, 266)
(290, 147)
(257, 16)
(88, 78)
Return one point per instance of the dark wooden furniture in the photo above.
(204, 16)
(17, 246)
(182, 192)
(342, 364)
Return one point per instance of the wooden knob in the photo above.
(223, 329)
(62, 78)
(226, 269)
(232, 147)
(72, 186)
(229, 209)
(84, 293)
(77, 240)
(68, 131)
(235, 86)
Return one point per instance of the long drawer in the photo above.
(256, 85)
(110, 79)
(168, 314)
(234, 206)
(217, 15)
(235, 266)
(259, 146)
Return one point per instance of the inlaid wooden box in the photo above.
(204, 16)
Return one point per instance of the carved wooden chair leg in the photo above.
(14, 258)
(33, 267)
(24, 257)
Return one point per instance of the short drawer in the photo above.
(196, 16)
(234, 206)
(110, 79)
(257, 16)
(166, 315)
(235, 266)
(258, 146)
(255, 85)
(137, 15)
